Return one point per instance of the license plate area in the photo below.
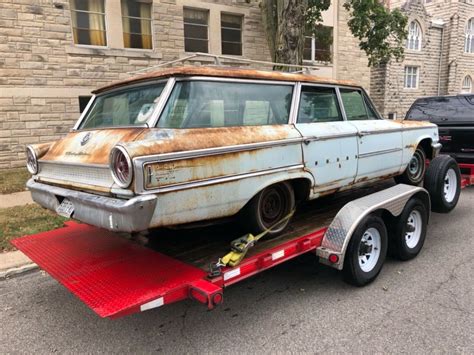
(65, 208)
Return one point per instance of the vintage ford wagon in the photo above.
(191, 144)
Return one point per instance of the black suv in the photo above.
(454, 116)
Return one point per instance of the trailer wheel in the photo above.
(366, 251)
(269, 206)
(443, 182)
(415, 171)
(409, 231)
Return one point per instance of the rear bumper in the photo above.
(114, 214)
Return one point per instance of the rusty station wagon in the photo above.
(192, 144)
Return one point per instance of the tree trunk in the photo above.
(284, 22)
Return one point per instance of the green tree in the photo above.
(381, 32)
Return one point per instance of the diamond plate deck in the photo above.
(108, 273)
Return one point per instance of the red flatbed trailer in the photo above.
(467, 171)
(116, 277)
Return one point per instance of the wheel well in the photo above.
(426, 145)
(301, 187)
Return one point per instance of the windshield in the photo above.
(128, 107)
(458, 109)
(194, 104)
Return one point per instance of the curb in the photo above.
(15, 271)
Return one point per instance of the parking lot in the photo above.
(425, 305)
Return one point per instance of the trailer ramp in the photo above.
(113, 276)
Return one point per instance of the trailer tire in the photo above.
(268, 207)
(415, 171)
(443, 182)
(366, 251)
(406, 244)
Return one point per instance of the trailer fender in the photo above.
(339, 232)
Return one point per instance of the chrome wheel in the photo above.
(369, 249)
(450, 185)
(414, 229)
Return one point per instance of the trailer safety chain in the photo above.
(240, 246)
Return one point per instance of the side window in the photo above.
(354, 105)
(318, 104)
(370, 108)
(202, 104)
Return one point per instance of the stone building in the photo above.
(439, 56)
(53, 53)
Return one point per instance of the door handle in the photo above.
(363, 133)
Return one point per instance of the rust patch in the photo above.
(227, 72)
(95, 151)
(408, 124)
(41, 149)
(161, 141)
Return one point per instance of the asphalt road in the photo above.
(422, 306)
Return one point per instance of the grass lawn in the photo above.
(22, 220)
(13, 180)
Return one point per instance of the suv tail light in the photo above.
(121, 167)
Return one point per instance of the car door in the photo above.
(379, 141)
(329, 142)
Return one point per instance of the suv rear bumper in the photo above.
(114, 214)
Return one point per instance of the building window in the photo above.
(414, 36)
(231, 34)
(466, 87)
(318, 44)
(88, 22)
(196, 34)
(411, 77)
(469, 42)
(136, 21)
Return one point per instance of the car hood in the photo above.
(89, 147)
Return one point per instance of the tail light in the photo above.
(121, 167)
(31, 160)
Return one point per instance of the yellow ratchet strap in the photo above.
(240, 246)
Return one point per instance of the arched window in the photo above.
(466, 87)
(469, 42)
(414, 36)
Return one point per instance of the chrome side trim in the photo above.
(98, 166)
(380, 152)
(213, 181)
(236, 80)
(213, 151)
(326, 138)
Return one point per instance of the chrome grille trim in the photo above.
(96, 175)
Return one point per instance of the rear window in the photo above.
(452, 109)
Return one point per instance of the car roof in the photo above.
(225, 72)
(443, 97)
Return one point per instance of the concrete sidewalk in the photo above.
(14, 262)
(15, 199)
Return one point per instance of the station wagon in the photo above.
(191, 144)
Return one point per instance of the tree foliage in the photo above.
(381, 32)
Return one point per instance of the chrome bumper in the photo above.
(436, 149)
(114, 214)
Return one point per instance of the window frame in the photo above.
(469, 36)
(417, 77)
(467, 78)
(242, 18)
(412, 39)
(71, 10)
(203, 10)
(139, 18)
(313, 48)
(337, 96)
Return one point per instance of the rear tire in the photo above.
(443, 182)
(366, 251)
(409, 231)
(269, 206)
(415, 171)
